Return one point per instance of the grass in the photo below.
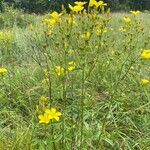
(102, 101)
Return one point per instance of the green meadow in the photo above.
(78, 81)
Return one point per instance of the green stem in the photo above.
(45, 139)
(54, 145)
(82, 107)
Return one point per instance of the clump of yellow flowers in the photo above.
(78, 7)
(48, 115)
(100, 4)
(3, 70)
(135, 13)
(60, 70)
(55, 18)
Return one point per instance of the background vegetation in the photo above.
(40, 6)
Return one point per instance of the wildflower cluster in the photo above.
(82, 65)
(130, 21)
(60, 70)
(54, 18)
(135, 13)
(78, 7)
(48, 115)
(98, 4)
(45, 113)
(145, 55)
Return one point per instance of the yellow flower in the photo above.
(100, 4)
(135, 12)
(80, 3)
(126, 19)
(49, 22)
(44, 118)
(92, 3)
(76, 8)
(55, 15)
(144, 81)
(2, 70)
(145, 53)
(72, 65)
(53, 114)
(86, 35)
(59, 70)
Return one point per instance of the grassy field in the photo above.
(74, 82)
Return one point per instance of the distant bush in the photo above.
(10, 17)
(41, 6)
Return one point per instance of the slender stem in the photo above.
(82, 106)
(45, 139)
(103, 125)
(52, 131)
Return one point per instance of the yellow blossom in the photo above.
(2, 70)
(55, 15)
(92, 3)
(49, 22)
(86, 35)
(144, 81)
(53, 114)
(59, 70)
(100, 4)
(44, 118)
(71, 65)
(80, 3)
(135, 12)
(127, 19)
(76, 8)
(145, 53)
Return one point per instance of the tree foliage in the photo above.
(39, 6)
